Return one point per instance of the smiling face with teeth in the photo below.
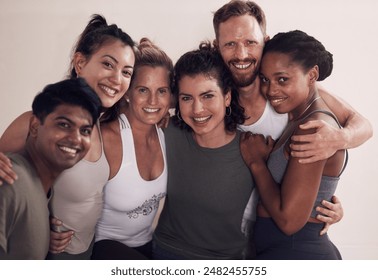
(203, 105)
(108, 71)
(240, 42)
(285, 84)
(63, 138)
(149, 95)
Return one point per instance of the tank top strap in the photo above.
(123, 122)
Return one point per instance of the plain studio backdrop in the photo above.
(37, 38)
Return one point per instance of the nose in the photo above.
(241, 52)
(197, 107)
(152, 98)
(116, 77)
(272, 89)
(75, 136)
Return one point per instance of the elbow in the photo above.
(370, 131)
(289, 230)
(290, 226)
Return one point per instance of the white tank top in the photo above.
(77, 200)
(271, 124)
(130, 202)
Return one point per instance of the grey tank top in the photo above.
(277, 164)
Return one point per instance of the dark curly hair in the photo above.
(207, 61)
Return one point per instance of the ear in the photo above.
(126, 96)
(79, 61)
(215, 44)
(34, 125)
(313, 74)
(266, 38)
(227, 98)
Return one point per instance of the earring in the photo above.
(229, 111)
(178, 116)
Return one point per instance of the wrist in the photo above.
(345, 139)
(257, 166)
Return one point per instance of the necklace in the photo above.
(308, 107)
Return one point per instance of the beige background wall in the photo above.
(36, 38)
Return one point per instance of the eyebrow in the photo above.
(116, 61)
(275, 73)
(72, 122)
(201, 94)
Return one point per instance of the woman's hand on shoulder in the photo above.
(6, 172)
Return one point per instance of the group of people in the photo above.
(237, 160)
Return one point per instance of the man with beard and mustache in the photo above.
(240, 31)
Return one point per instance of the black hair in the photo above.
(95, 35)
(70, 91)
(303, 49)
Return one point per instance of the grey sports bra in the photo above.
(277, 164)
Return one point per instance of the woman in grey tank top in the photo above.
(286, 227)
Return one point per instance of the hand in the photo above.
(255, 148)
(331, 213)
(59, 240)
(6, 172)
(317, 146)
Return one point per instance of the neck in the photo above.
(44, 170)
(253, 102)
(139, 128)
(251, 91)
(304, 108)
(214, 140)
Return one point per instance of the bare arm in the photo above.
(327, 139)
(14, 137)
(357, 129)
(291, 203)
(13, 140)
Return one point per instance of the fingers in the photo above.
(312, 124)
(325, 229)
(330, 212)
(59, 241)
(335, 200)
(299, 140)
(270, 141)
(55, 222)
(6, 172)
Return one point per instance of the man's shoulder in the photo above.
(20, 164)
(24, 169)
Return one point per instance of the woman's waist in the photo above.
(262, 212)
